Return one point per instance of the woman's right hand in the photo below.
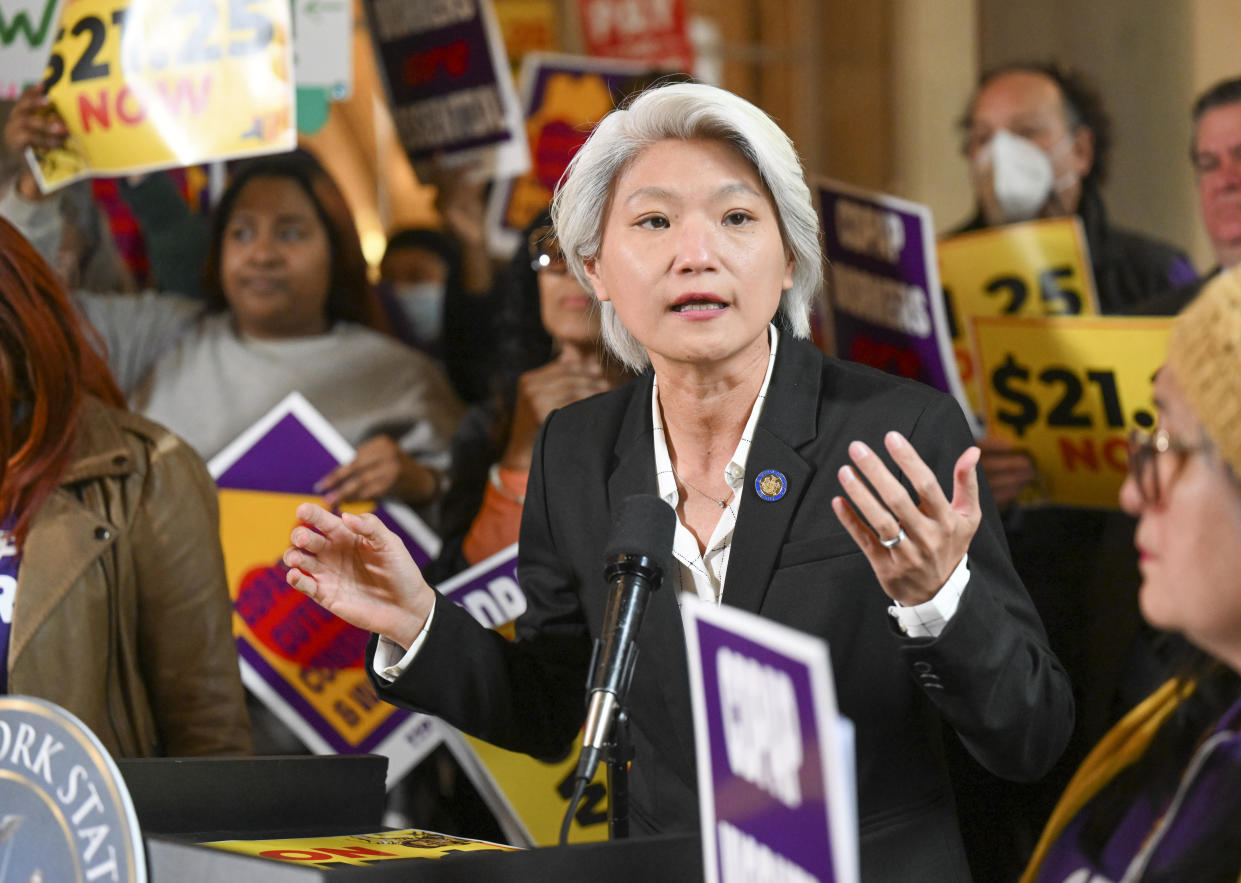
(357, 569)
(566, 379)
(32, 123)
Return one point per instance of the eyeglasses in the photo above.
(1144, 448)
(544, 250)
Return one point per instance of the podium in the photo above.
(184, 802)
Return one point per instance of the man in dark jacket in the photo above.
(1051, 161)
(1215, 150)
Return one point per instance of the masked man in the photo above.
(1037, 139)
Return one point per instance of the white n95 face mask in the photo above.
(1021, 173)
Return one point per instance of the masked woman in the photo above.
(550, 354)
(818, 494)
(113, 602)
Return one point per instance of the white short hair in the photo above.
(685, 111)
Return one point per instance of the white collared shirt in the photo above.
(702, 573)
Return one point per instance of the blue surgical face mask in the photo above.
(422, 303)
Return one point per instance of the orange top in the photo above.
(498, 521)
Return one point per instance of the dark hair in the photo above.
(521, 340)
(53, 368)
(424, 238)
(349, 293)
(1082, 107)
(1211, 690)
(438, 243)
(1222, 93)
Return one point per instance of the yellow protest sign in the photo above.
(315, 659)
(528, 797)
(1037, 268)
(537, 793)
(1068, 391)
(148, 84)
(303, 663)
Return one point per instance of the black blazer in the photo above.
(989, 676)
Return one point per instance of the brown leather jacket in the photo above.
(122, 614)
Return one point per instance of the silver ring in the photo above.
(892, 543)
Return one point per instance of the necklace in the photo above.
(723, 504)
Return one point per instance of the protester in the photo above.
(1215, 151)
(1159, 799)
(418, 269)
(688, 216)
(286, 308)
(552, 354)
(1038, 141)
(113, 601)
(436, 284)
(1216, 154)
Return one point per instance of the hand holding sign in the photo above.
(1067, 391)
(357, 569)
(33, 124)
(380, 469)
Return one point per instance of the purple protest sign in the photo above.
(302, 662)
(887, 307)
(562, 97)
(489, 591)
(775, 761)
(446, 75)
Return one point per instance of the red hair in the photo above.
(47, 367)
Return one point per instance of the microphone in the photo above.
(638, 551)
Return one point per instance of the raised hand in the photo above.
(357, 569)
(564, 380)
(32, 123)
(931, 536)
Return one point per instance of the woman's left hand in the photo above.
(934, 534)
(380, 468)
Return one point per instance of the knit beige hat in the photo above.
(1204, 351)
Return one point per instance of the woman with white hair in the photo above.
(688, 216)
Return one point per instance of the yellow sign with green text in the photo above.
(1037, 268)
(1068, 391)
(149, 84)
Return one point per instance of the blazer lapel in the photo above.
(787, 422)
(634, 449)
(662, 636)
